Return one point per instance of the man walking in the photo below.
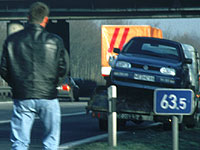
(33, 61)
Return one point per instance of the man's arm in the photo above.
(3, 65)
(64, 65)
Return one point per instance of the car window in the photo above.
(154, 48)
(160, 49)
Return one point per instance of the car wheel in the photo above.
(76, 96)
(76, 99)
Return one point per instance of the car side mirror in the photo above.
(116, 50)
(188, 61)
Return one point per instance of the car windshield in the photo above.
(153, 48)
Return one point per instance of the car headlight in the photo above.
(123, 64)
(168, 71)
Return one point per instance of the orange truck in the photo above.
(115, 36)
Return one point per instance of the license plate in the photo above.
(144, 77)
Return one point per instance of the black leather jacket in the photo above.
(32, 62)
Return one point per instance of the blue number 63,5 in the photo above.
(173, 101)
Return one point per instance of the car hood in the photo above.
(149, 60)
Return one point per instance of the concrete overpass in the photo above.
(104, 9)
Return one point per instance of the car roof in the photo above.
(157, 39)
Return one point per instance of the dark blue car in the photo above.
(151, 63)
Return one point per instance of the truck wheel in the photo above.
(103, 124)
(168, 126)
(138, 122)
(121, 124)
(193, 120)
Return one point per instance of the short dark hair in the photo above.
(37, 12)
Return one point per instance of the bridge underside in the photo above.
(104, 9)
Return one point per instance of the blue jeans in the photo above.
(24, 112)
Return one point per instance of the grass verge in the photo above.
(148, 139)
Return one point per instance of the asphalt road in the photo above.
(76, 125)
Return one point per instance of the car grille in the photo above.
(142, 67)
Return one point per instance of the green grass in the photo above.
(148, 139)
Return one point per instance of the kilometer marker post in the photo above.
(112, 116)
(175, 133)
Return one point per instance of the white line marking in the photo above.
(4, 121)
(84, 141)
(6, 102)
(73, 114)
(63, 115)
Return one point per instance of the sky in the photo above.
(176, 26)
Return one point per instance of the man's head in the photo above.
(38, 13)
